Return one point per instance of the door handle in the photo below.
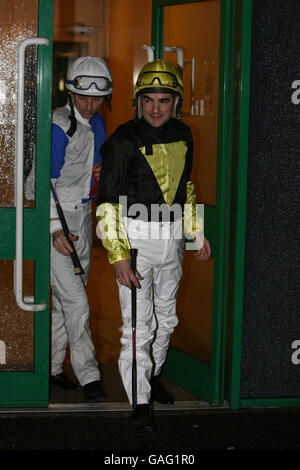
(150, 52)
(19, 172)
(179, 53)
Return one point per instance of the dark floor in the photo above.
(105, 429)
(190, 432)
(113, 386)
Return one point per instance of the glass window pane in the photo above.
(16, 326)
(195, 28)
(18, 22)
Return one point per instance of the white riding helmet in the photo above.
(90, 76)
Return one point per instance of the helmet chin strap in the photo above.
(139, 107)
(107, 99)
(73, 124)
(175, 105)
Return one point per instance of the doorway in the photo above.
(196, 28)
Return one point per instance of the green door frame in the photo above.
(238, 217)
(211, 379)
(239, 197)
(32, 388)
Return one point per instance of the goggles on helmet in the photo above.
(84, 82)
(166, 79)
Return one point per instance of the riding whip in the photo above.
(78, 269)
(133, 254)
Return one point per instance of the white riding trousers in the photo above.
(70, 308)
(159, 261)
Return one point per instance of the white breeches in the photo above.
(70, 309)
(159, 262)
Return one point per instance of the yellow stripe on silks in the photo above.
(167, 163)
(190, 193)
(193, 222)
(112, 231)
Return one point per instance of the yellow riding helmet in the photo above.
(159, 77)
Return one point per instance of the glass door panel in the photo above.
(11, 36)
(16, 326)
(195, 27)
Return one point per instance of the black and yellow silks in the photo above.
(149, 166)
